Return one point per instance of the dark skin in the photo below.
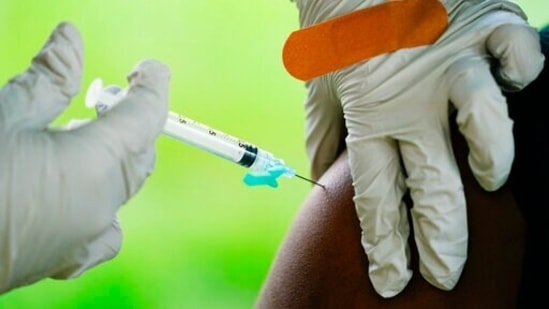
(321, 263)
(529, 181)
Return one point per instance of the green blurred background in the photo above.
(195, 235)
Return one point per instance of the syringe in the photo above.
(264, 167)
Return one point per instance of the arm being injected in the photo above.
(264, 167)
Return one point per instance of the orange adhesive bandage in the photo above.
(360, 35)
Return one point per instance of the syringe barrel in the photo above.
(194, 133)
(218, 143)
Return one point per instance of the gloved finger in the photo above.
(85, 256)
(439, 213)
(518, 51)
(325, 128)
(482, 118)
(379, 186)
(57, 244)
(36, 97)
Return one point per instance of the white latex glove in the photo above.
(60, 190)
(395, 109)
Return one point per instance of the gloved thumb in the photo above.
(121, 140)
(140, 116)
(36, 97)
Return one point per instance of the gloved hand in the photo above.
(60, 190)
(393, 109)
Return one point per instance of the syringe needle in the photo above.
(311, 181)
